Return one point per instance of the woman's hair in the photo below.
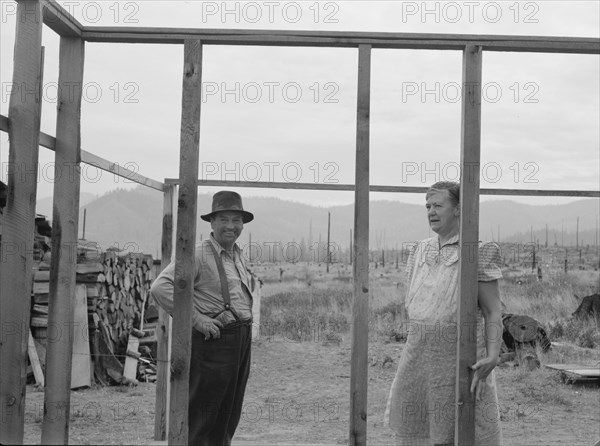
(452, 188)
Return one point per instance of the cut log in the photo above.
(40, 298)
(87, 268)
(138, 333)
(39, 309)
(41, 287)
(41, 276)
(88, 278)
(39, 321)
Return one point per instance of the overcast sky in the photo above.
(289, 114)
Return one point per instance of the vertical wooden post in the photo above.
(65, 224)
(250, 248)
(469, 242)
(351, 241)
(360, 269)
(84, 217)
(328, 239)
(161, 416)
(19, 219)
(185, 243)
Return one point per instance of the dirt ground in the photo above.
(299, 393)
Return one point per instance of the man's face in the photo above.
(227, 227)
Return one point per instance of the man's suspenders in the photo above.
(224, 285)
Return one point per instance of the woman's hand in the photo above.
(489, 302)
(209, 327)
(482, 369)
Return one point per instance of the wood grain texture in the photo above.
(360, 265)
(65, 224)
(34, 359)
(185, 243)
(81, 366)
(49, 142)
(19, 215)
(392, 189)
(59, 20)
(163, 329)
(344, 39)
(116, 169)
(469, 236)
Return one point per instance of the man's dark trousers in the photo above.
(219, 370)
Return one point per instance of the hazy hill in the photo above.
(44, 205)
(124, 217)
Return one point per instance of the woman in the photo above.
(421, 405)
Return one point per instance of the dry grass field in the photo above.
(299, 385)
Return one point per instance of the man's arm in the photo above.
(162, 290)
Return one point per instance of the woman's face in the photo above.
(442, 214)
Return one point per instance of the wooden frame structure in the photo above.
(23, 126)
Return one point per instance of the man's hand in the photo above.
(209, 327)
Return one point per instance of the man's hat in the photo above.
(226, 200)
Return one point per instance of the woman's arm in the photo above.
(489, 302)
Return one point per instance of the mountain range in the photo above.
(132, 218)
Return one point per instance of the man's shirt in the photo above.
(208, 297)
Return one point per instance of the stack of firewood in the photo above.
(119, 292)
(117, 286)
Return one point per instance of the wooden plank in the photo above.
(469, 235)
(81, 359)
(41, 287)
(116, 169)
(39, 321)
(133, 344)
(59, 20)
(40, 298)
(186, 241)
(41, 276)
(89, 268)
(360, 266)
(163, 329)
(130, 368)
(387, 189)
(39, 309)
(343, 39)
(65, 223)
(19, 217)
(34, 359)
(256, 311)
(586, 371)
(49, 142)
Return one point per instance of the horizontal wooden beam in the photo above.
(542, 192)
(393, 189)
(59, 20)
(49, 142)
(343, 39)
(116, 169)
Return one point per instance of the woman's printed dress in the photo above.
(421, 404)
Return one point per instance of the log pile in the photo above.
(117, 286)
(117, 292)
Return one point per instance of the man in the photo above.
(221, 324)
